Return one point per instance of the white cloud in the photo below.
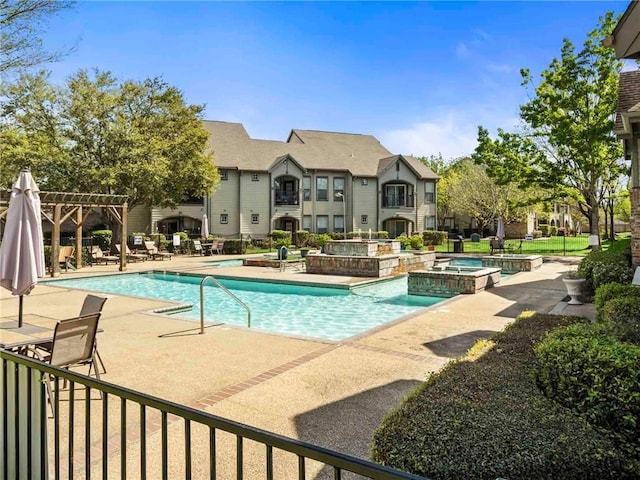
(450, 133)
(462, 51)
(500, 68)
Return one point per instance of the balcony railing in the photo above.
(102, 430)
(287, 198)
(396, 201)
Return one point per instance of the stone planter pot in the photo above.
(574, 289)
(304, 252)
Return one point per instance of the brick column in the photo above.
(635, 226)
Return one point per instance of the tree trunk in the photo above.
(606, 222)
(594, 223)
(613, 233)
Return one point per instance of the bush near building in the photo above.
(606, 266)
(487, 419)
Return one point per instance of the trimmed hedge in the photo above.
(281, 238)
(103, 239)
(609, 291)
(595, 375)
(416, 242)
(622, 316)
(601, 267)
(434, 237)
(487, 419)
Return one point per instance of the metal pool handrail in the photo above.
(228, 292)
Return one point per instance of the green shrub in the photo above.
(487, 418)
(404, 241)
(336, 235)
(302, 238)
(235, 246)
(622, 315)
(553, 231)
(434, 237)
(317, 240)
(416, 242)
(544, 229)
(595, 375)
(102, 238)
(601, 267)
(281, 238)
(537, 233)
(381, 235)
(609, 291)
(186, 244)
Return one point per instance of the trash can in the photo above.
(282, 253)
(458, 244)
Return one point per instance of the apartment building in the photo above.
(317, 181)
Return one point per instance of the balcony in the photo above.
(287, 198)
(103, 430)
(398, 201)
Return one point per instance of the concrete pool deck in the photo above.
(334, 394)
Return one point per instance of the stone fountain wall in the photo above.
(449, 281)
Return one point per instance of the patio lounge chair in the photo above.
(65, 254)
(92, 304)
(133, 257)
(73, 345)
(98, 256)
(219, 247)
(154, 252)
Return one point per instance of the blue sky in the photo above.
(420, 76)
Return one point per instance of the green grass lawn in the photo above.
(549, 245)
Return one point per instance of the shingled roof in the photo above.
(314, 150)
(628, 97)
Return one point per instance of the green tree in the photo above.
(21, 26)
(97, 134)
(567, 145)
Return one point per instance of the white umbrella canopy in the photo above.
(22, 248)
(204, 228)
(500, 229)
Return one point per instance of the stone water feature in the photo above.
(513, 263)
(367, 258)
(447, 281)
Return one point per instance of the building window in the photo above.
(397, 195)
(224, 175)
(338, 223)
(306, 189)
(306, 223)
(322, 187)
(364, 181)
(254, 177)
(364, 219)
(430, 192)
(255, 218)
(322, 223)
(338, 189)
(430, 222)
(224, 218)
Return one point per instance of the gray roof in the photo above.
(628, 96)
(312, 149)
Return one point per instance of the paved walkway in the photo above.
(333, 394)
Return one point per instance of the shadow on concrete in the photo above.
(348, 425)
(540, 295)
(456, 345)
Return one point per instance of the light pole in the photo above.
(344, 213)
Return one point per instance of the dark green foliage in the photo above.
(302, 238)
(186, 244)
(595, 375)
(553, 231)
(434, 237)
(609, 291)
(544, 229)
(404, 241)
(235, 246)
(102, 238)
(281, 238)
(622, 316)
(537, 233)
(416, 242)
(602, 267)
(487, 419)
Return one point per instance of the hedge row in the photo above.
(601, 267)
(488, 419)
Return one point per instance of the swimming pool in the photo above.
(226, 263)
(328, 313)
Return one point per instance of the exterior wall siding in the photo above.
(226, 200)
(139, 219)
(364, 199)
(252, 201)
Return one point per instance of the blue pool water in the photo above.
(226, 263)
(467, 262)
(329, 313)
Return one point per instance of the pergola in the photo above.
(58, 207)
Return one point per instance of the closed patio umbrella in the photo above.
(500, 229)
(22, 249)
(204, 228)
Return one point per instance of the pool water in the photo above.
(226, 263)
(328, 313)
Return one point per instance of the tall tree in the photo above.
(21, 26)
(567, 144)
(97, 134)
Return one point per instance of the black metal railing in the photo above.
(206, 443)
(396, 201)
(287, 198)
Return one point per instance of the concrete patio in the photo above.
(334, 394)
